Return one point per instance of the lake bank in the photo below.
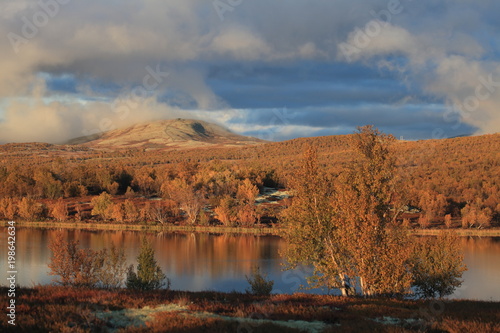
(222, 229)
(140, 227)
(89, 310)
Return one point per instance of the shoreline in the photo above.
(458, 232)
(222, 229)
(139, 227)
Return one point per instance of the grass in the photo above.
(138, 227)
(64, 309)
(459, 232)
(258, 230)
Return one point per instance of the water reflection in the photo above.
(482, 280)
(196, 261)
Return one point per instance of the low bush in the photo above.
(259, 285)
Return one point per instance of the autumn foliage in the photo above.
(457, 177)
(81, 267)
(347, 226)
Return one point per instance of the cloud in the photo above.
(448, 67)
(90, 56)
(240, 44)
(56, 122)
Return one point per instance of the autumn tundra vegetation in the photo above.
(448, 183)
(353, 200)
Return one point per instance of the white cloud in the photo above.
(446, 66)
(240, 44)
(114, 42)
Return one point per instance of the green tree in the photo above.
(149, 275)
(259, 284)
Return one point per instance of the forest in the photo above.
(446, 183)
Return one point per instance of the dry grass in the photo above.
(60, 309)
(257, 229)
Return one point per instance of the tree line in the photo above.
(451, 182)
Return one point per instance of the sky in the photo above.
(273, 69)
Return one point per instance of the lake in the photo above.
(196, 261)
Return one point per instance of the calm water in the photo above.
(220, 262)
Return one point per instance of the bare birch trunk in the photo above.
(364, 289)
(345, 288)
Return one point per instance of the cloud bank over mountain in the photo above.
(272, 69)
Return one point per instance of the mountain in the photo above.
(173, 133)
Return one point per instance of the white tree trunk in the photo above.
(345, 285)
(365, 291)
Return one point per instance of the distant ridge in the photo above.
(173, 133)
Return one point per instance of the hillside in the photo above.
(173, 133)
(459, 177)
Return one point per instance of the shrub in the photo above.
(8, 208)
(226, 211)
(85, 267)
(29, 209)
(102, 205)
(424, 222)
(204, 219)
(76, 267)
(118, 212)
(113, 267)
(247, 215)
(149, 275)
(131, 212)
(447, 221)
(259, 285)
(60, 210)
(484, 217)
(437, 266)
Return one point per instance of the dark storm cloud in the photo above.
(306, 85)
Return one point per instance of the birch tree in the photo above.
(378, 249)
(311, 231)
(346, 227)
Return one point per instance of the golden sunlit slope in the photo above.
(173, 133)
